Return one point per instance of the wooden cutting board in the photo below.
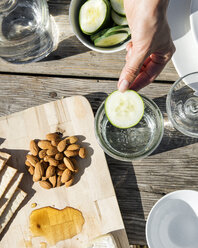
(93, 193)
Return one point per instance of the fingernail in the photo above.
(124, 85)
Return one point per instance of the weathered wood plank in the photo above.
(73, 58)
(21, 92)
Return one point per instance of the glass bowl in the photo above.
(132, 143)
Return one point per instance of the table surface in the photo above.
(72, 69)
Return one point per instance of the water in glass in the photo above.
(26, 33)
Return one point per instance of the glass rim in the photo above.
(127, 158)
(168, 107)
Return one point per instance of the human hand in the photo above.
(151, 46)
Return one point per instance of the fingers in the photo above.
(152, 69)
(134, 62)
(136, 78)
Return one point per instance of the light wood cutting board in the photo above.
(93, 193)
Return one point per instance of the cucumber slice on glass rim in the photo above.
(124, 110)
(118, 6)
(110, 39)
(94, 15)
(118, 19)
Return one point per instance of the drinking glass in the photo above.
(182, 104)
(26, 32)
(132, 143)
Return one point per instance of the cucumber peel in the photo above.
(124, 110)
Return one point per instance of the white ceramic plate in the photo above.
(185, 58)
(173, 221)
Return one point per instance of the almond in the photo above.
(59, 156)
(45, 184)
(82, 152)
(52, 151)
(68, 164)
(73, 147)
(52, 136)
(62, 145)
(66, 176)
(55, 142)
(42, 153)
(62, 166)
(70, 154)
(38, 172)
(44, 144)
(72, 139)
(45, 164)
(59, 172)
(32, 159)
(53, 161)
(53, 181)
(58, 183)
(46, 158)
(31, 170)
(50, 171)
(27, 163)
(70, 182)
(44, 178)
(34, 149)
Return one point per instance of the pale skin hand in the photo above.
(151, 46)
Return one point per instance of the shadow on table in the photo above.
(66, 48)
(96, 99)
(129, 199)
(172, 138)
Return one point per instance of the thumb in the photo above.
(134, 62)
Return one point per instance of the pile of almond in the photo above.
(52, 161)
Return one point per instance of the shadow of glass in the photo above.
(125, 185)
(17, 161)
(95, 99)
(66, 48)
(129, 199)
(172, 138)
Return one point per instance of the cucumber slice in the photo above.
(118, 19)
(111, 38)
(118, 6)
(118, 28)
(124, 110)
(94, 15)
(109, 30)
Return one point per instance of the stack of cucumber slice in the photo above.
(105, 22)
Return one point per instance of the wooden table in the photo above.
(75, 70)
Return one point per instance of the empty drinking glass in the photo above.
(26, 33)
(182, 104)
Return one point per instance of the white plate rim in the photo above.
(169, 195)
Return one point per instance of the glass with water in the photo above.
(26, 33)
(132, 143)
